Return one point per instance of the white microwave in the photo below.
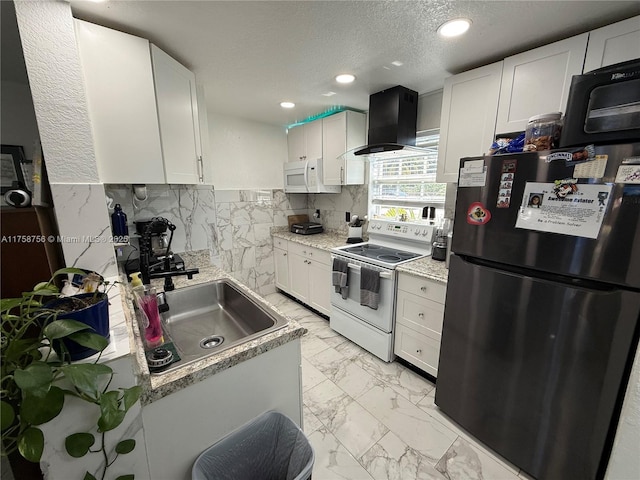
(306, 177)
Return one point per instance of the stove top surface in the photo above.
(387, 255)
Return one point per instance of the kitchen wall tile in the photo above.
(244, 258)
(226, 222)
(85, 223)
(225, 237)
(227, 196)
(240, 213)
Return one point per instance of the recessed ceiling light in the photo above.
(329, 94)
(397, 63)
(453, 28)
(287, 104)
(345, 78)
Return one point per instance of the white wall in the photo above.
(57, 85)
(246, 154)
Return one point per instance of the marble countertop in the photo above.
(424, 267)
(325, 240)
(157, 386)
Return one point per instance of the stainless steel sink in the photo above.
(211, 317)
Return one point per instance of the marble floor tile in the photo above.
(367, 419)
(332, 460)
(310, 421)
(311, 376)
(312, 345)
(463, 461)
(392, 459)
(343, 372)
(407, 383)
(428, 405)
(410, 423)
(352, 425)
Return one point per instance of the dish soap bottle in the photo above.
(119, 222)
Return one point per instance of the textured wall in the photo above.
(57, 86)
(55, 76)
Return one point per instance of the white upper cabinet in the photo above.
(177, 103)
(538, 81)
(304, 142)
(122, 105)
(468, 118)
(342, 132)
(613, 44)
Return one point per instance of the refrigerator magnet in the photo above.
(477, 214)
(628, 174)
(506, 182)
(591, 169)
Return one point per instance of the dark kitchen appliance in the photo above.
(542, 307)
(604, 106)
(307, 228)
(393, 117)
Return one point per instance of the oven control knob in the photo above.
(417, 232)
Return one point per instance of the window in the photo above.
(403, 186)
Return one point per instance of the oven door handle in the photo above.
(357, 267)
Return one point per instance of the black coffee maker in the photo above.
(155, 245)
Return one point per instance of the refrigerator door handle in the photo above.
(551, 277)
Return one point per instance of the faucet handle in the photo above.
(163, 306)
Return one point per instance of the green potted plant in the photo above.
(35, 381)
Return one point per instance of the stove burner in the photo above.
(389, 258)
(405, 255)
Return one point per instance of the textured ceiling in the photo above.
(252, 55)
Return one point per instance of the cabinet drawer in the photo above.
(422, 287)
(312, 253)
(417, 349)
(420, 314)
(280, 243)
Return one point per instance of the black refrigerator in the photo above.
(543, 300)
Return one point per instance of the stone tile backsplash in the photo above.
(233, 225)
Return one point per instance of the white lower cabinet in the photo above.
(419, 316)
(179, 426)
(304, 272)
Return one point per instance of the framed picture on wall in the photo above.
(11, 160)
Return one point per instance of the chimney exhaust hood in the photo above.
(393, 115)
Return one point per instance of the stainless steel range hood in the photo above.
(393, 115)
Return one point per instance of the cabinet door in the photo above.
(538, 81)
(295, 143)
(282, 269)
(340, 133)
(334, 144)
(121, 98)
(468, 118)
(613, 44)
(320, 286)
(177, 102)
(313, 140)
(299, 277)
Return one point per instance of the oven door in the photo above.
(382, 318)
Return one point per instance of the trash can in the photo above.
(269, 447)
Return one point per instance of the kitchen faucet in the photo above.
(145, 257)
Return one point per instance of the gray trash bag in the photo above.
(270, 447)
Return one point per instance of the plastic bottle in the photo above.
(119, 222)
(136, 281)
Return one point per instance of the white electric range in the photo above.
(390, 244)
